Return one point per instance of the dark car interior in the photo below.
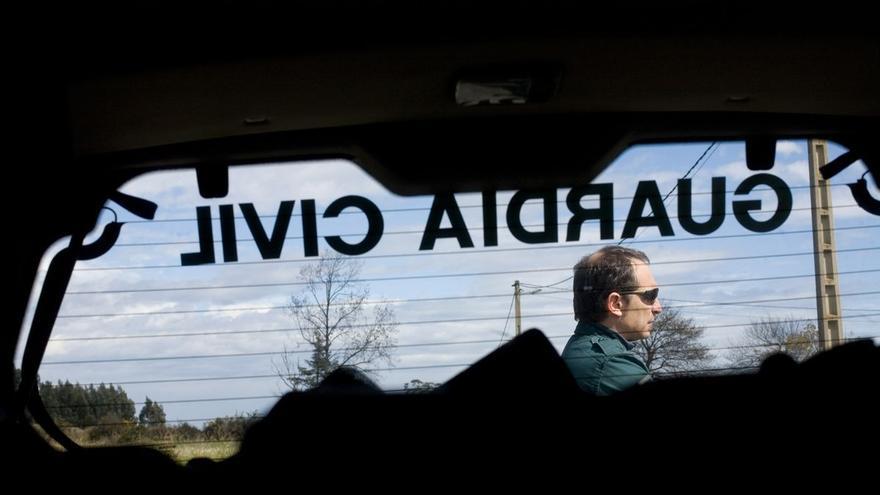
(443, 97)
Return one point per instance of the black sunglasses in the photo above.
(648, 296)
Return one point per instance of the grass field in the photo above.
(217, 451)
(181, 452)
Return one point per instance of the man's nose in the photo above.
(657, 307)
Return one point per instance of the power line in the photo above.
(245, 377)
(288, 329)
(785, 345)
(423, 277)
(698, 312)
(707, 161)
(278, 353)
(287, 284)
(275, 376)
(550, 286)
(486, 251)
(708, 303)
(762, 279)
(161, 402)
(507, 320)
(686, 174)
(254, 354)
(778, 299)
(667, 307)
(270, 308)
(746, 346)
(231, 355)
(447, 298)
(676, 186)
(182, 380)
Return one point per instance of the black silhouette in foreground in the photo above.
(518, 414)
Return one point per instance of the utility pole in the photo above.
(517, 290)
(824, 249)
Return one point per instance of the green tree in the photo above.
(799, 338)
(333, 317)
(230, 427)
(674, 345)
(83, 406)
(152, 414)
(186, 432)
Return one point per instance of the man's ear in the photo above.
(614, 304)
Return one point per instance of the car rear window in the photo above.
(196, 322)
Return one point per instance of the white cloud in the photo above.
(324, 181)
(736, 170)
(794, 173)
(786, 148)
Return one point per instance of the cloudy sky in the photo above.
(206, 341)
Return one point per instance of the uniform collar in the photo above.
(590, 328)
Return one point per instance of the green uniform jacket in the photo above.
(602, 361)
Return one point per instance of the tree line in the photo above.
(676, 347)
(105, 414)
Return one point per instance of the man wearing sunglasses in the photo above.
(615, 303)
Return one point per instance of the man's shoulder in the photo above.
(598, 344)
(609, 346)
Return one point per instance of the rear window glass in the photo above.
(198, 320)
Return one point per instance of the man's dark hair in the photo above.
(601, 273)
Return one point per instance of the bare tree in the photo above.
(333, 317)
(674, 345)
(798, 338)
